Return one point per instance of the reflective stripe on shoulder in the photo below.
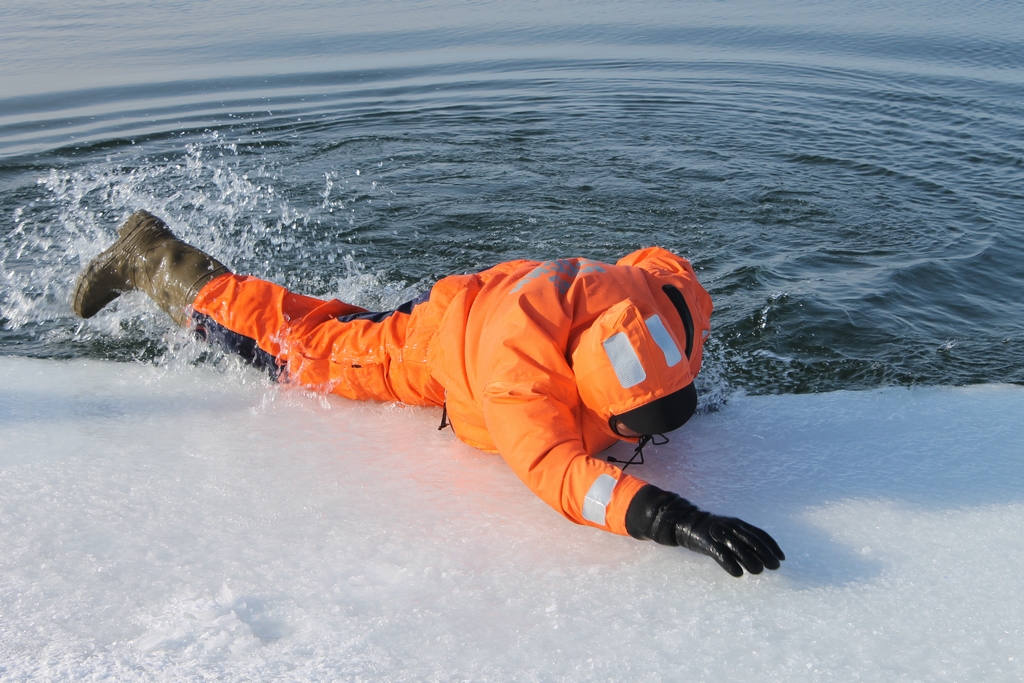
(598, 497)
(628, 368)
(664, 340)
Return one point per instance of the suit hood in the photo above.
(631, 356)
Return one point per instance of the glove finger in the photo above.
(747, 556)
(720, 554)
(763, 544)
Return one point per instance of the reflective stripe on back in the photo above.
(664, 340)
(625, 362)
(598, 497)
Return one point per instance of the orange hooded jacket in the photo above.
(531, 359)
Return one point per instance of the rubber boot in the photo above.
(149, 257)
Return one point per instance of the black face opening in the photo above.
(660, 416)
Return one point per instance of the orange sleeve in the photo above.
(533, 412)
(537, 436)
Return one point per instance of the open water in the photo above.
(848, 177)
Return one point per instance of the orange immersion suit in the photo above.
(530, 359)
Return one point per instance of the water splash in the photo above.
(216, 195)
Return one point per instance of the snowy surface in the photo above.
(189, 524)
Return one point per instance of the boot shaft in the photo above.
(149, 257)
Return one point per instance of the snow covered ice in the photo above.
(188, 524)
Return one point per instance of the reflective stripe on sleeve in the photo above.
(664, 340)
(598, 497)
(628, 368)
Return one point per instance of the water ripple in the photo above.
(846, 179)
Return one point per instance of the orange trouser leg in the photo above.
(359, 359)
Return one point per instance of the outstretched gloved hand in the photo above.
(669, 519)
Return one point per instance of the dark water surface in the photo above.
(847, 177)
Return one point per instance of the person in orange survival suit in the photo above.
(545, 363)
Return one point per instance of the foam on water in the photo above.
(189, 523)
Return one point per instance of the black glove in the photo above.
(670, 520)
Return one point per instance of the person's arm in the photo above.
(537, 434)
(532, 410)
